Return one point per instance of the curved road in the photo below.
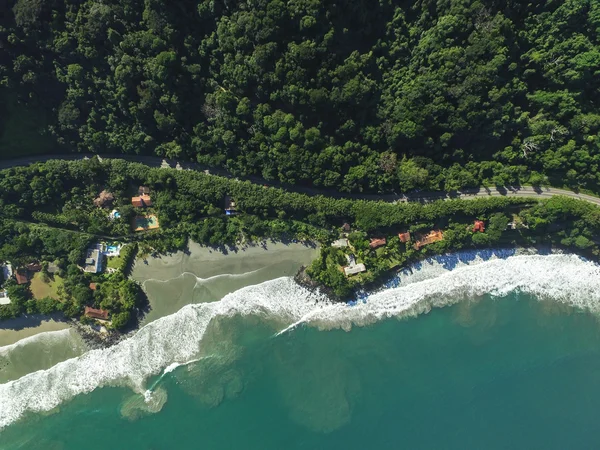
(423, 197)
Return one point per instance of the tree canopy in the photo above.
(351, 95)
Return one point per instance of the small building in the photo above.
(104, 199)
(7, 271)
(143, 190)
(404, 237)
(340, 243)
(377, 242)
(33, 267)
(230, 206)
(4, 300)
(22, 276)
(429, 238)
(478, 226)
(93, 286)
(93, 260)
(93, 313)
(142, 201)
(346, 227)
(353, 270)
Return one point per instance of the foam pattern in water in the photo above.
(176, 339)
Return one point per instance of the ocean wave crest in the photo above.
(176, 339)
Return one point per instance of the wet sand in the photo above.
(204, 274)
(14, 330)
(201, 274)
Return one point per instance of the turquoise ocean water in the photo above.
(492, 373)
(469, 351)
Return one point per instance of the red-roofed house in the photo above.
(93, 286)
(377, 242)
(404, 237)
(96, 313)
(21, 276)
(478, 226)
(141, 201)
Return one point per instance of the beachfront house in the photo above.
(377, 242)
(340, 243)
(98, 314)
(93, 259)
(353, 270)
(429, 238)
(404, 237)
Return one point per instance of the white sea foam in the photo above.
(176, 339)
(200, 281)
(47, 336)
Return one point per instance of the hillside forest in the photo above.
(352, 95)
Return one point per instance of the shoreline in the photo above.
(203, 274)
(14, 330)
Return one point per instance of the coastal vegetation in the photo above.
(350, 95)
(49, 214)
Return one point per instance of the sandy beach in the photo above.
(200, 274)
(14, 330)
(204, 274)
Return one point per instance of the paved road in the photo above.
(423, 197)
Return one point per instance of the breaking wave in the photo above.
(176, 339)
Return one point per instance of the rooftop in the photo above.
(340, 243)
(404, 237)
(93, 260)
(21, 276)
(96, 313)
(352, 270)
(432, 236)
(377, 242)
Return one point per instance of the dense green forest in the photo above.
(354, 95)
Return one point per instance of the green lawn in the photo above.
(40, 289)
(114, 262)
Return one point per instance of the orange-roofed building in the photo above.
(478, 226)
(404, 237)
(376, 242)
(430, 238)
(141, 201)
(93, 286)
(96, 313)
